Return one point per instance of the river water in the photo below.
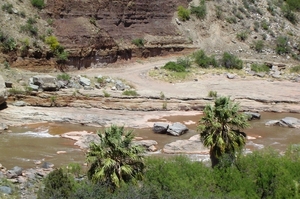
(41, 142)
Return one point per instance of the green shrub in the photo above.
(106, 94)
(52, 42)
(282, 45)
(29, 27)
(230, 61)
(8, 8)
(256, 26)
(242, 36)
(130, 93)
(63, 76)
(231, 19)
(185, 62)
(260, 68)
(295, 69)
(289, 14)
(258, 45)
(293, 4)
(38, 3)
(58, 50)
(57, 185)
(22, 14)
(199, 11)
(219, 12)
(16, 91)
(183, 13)
(9, 44)
(6, 65)
(204, 61)
(173, 66)
(138, 42)
(213, 94)
(264, 24)
(61, 55)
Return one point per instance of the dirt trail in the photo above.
(250, 87)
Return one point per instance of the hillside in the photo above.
(97, 32)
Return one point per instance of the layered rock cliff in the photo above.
(102, 31)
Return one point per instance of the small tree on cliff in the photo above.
(58, 51)
(220, 130)
(115, 160)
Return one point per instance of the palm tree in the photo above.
(220, 129)
(115, 160)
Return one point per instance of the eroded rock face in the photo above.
(3, 94)
(101, 31)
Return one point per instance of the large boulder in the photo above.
(160, 127)
(191, 146)
(177, 129)
(285, 122)
(3, 94)
(83, 138)
(148, 144)
(45, 82)
(252, 115)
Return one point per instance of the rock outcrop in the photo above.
(285, 122)
(190, 146)
(175, 129)
(3, 94)
(96, 31)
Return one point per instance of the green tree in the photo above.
(220, 130)
(115, 160)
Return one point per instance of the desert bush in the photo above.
(138, 42)
(9, 44)
(57, 184)
(293, 4)
(231, 19)
(289, 14)
(219, 12)
(185, 62)
(256, 26)
(258, 45)
(8, 7)
(183, 13)
(63, 76)
(130, 93)
(260, 68)
(264, 24)
(295, 69)
(6, 65)
(213, 94)
(199, 11)
(58, 50)
(242, 36)
(204, 61)
(38, 3)
(52, 42)
(106, 94)
(230, 61)
(29, 27)
(282, 45)
(173, 66)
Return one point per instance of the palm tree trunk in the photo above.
(213, 158)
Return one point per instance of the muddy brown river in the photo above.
(41, 142)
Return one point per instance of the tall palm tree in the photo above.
(220, 129)
(115, 160)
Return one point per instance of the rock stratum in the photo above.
(101, 31)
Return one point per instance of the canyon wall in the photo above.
(101, 31)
